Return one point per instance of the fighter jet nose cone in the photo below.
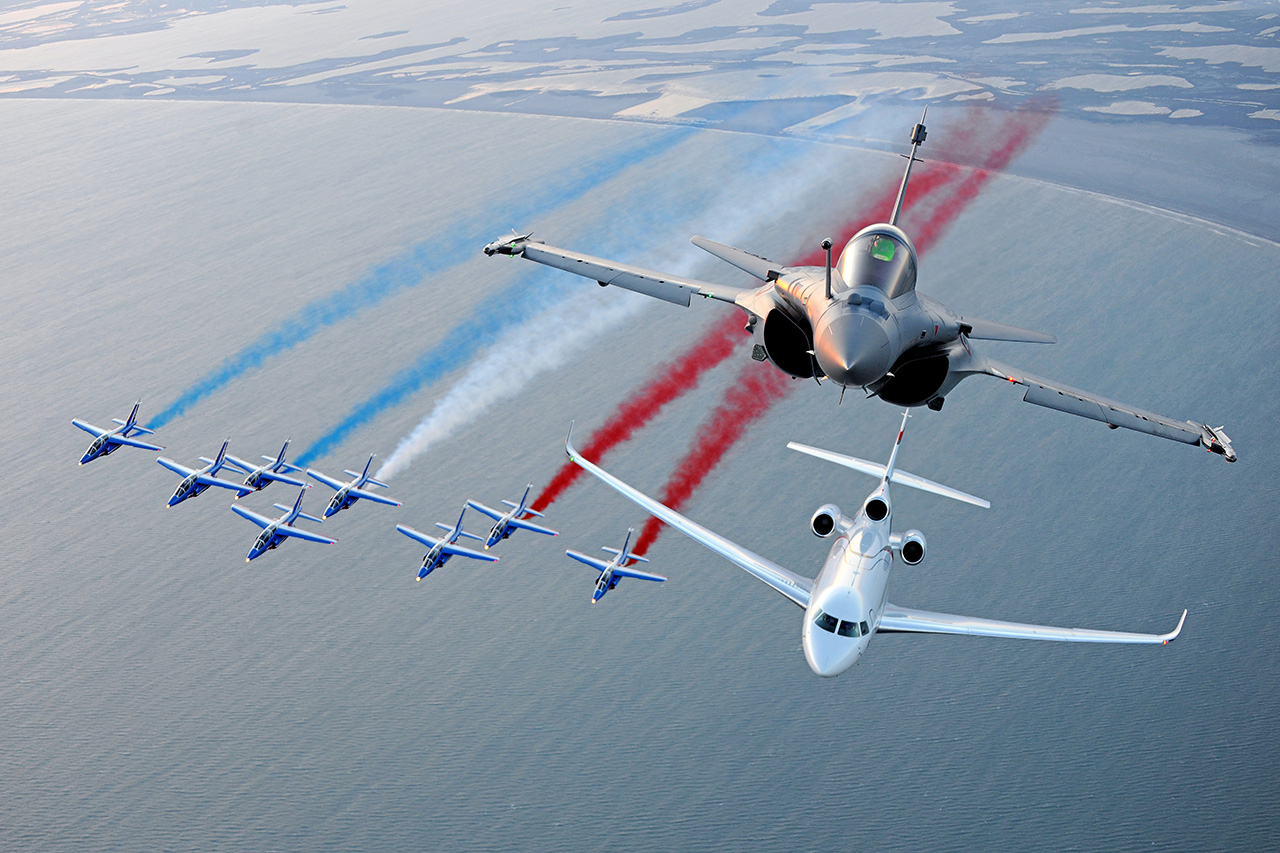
(852, 348)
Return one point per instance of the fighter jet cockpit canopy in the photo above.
(879, 256)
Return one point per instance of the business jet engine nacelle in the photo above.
(910, 546)
(826, 520)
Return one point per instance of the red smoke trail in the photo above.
(670, 381)
(752, 395)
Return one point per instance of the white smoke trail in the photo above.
(547, 341)
(550, 338)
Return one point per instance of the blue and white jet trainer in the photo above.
(349, 493)
(508, 522)
(106, 441)
(616, 569)
(261, 476)
(442, 548)
(846, 604)
(194, 482)
(276, 530)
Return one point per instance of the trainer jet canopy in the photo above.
(846, 605)
(350, 492)
(277, 530)
(862, 324)
(442, 548)
(107, 441)
(506, 523)
(195, 482)
(261, 476)
(616, 569)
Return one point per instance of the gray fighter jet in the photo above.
(861, 324)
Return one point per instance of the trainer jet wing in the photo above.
(506, 523)
(441, 548)
(106, 441)
(277, 530)
(350, 492)
(616, 569)
(196, 481)
(260, 476)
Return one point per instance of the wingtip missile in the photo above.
(1216, 441)
(511, 244)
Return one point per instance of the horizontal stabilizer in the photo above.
(899, 477)
(630, 556)
(307, 516)
(762, 268)
(288, 466)
(470, 535)
(905, 620)
(134, 427)
(989, 330)
(445, 527)
(374, 482)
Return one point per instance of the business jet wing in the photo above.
(670, 288)
(1064, 398)
(299, 533)
(905, 620)
(481, 508)
(793, 586)
(375, 497)
(525, 525)
(260, 520)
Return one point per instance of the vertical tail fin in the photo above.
(297, 506)
(283, 451)
(364, 475)
(626, 547)
(524, 501)
(222, 456)
(133, 417)
(918, 135)
(893, 457)
(457, 528)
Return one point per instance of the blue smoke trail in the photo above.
(489, 321)
(402, 272)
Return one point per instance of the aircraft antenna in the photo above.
(918, 135)
(826, 245)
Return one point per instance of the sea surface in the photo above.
(158, 692)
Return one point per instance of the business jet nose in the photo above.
(828, 656)
(852, 348)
